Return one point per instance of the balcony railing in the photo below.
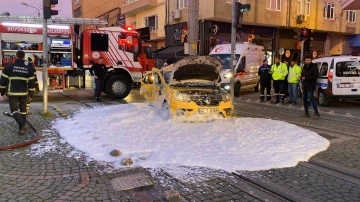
(128, 2)
(131, 7)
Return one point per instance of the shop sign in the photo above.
(31, 30)
(120, 20)
(179, 35)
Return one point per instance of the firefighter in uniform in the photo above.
(18, 82)
(279, 71)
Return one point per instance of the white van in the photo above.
(251, 58)
(339, 78)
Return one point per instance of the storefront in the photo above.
(220, 32)
(29, 38)
(211, 34)
(288, 40)
(176, 37)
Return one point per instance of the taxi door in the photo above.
(159, 93)
(146, 88)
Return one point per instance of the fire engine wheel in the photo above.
(118, 87)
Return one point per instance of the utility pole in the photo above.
(193, 26)
(45, 66)
(237, 12)
(233, 50)
(48, 12)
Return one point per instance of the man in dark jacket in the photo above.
(19, 81)
(98, 71)
(265, 80)
(309, 77)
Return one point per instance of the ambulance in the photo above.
(249, 58)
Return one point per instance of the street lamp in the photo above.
(38, 10)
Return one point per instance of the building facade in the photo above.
(271, 23)
(146, 14)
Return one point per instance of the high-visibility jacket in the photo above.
(18, 79)
(294, 74)
(279, 72)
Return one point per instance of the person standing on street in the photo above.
(19, 81)
(293, 80)
(98, 71)
(279, 72)
(309, 77)
(265, 81)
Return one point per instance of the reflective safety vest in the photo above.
(279, 72)
(18, 79)
(294, 74)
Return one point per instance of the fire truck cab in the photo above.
(123, 54)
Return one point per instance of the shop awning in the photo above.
(350, 4)
(354, 41)
(16, 38)
(169, 52)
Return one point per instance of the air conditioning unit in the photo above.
(176, 14)
(304, 18)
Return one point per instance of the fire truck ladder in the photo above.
(53, 21)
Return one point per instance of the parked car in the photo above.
(339, 78)
(188, 89)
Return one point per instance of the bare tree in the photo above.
(193, 26)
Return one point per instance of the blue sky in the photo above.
(15, 8)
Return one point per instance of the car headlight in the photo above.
(182, 97)
(226, 98)
(228, 75)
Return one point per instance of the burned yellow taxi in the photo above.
(188, 89)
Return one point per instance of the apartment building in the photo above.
(146, 13)
(271, 23)
(108, 10)
(140, 14)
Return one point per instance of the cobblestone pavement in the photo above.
(61, 173)
(346, 154)
(349, 107)
(311, 183)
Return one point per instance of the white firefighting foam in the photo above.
(139, 132)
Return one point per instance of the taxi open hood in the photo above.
(197, 69)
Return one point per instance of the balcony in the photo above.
(350, 4)
(131, 7)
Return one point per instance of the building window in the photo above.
(303, 7)
(152, 23)
(329, 10)
(351, 16)
(273, 5)
(299, 6)
(307, 7)
(77, 12)
(181, 4)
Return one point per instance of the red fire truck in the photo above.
(123, 53)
